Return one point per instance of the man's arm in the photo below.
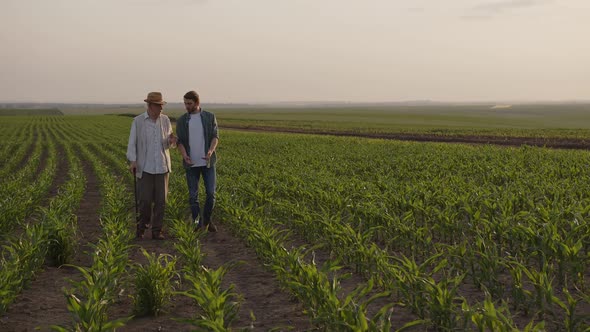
(213, 146)
(214, 139)
(132, 148)
(172, 140)
(187, 159)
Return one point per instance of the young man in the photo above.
(150, 139)
(197, 141)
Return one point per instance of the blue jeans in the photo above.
(193, 175)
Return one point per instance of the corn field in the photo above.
(362, 234)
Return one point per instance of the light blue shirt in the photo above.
(148, 144)
(155, 162)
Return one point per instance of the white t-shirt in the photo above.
(196, 140)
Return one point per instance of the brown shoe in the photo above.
(157, 236)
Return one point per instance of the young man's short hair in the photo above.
(192, 95)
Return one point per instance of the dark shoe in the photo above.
(197, 224)
(139, 234)
(157, 236)
(211, 228)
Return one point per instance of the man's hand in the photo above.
(187, 159)
(208, 156)
(172, 139)
(133, 167)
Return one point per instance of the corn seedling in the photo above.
(153, 284)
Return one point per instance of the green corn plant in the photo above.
(571, 262)
(188, 244)
(20, 261)
(220, 306)
(544, 296)
(442, 311)
(176, 204)
(91, 314)
(153, 283)
(413, 280)
(520, 296)
(60, 218)
(526, 236)
(520, 235)
(535, 327)
(489, 318)
(62, 237)
(90, 309)
(572, 321)
(267, 241)
(347, 237)
(320, 295)
(547, 237)
(488, 264)
(356, 319)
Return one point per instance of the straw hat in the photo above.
(155, 98)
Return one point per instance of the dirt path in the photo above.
(61, 174)
(272, 306)
(558, 143)
(179, 307)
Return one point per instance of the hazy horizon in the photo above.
(264, 51)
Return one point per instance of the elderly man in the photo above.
(148, 153)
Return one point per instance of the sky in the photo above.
(258, 51)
